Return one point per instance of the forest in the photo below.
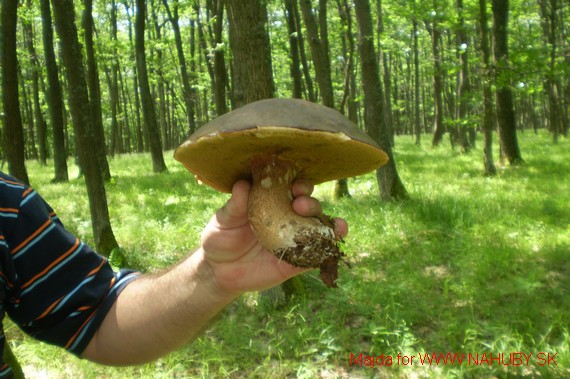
(90, 88)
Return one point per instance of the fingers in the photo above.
(340, 228)
(234, 212)
(302, 187)
(307, 206)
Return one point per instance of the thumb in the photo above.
(234, 213)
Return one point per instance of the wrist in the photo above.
(203, 274)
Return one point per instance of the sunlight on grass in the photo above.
(469, 264)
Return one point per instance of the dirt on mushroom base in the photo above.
(311, 251)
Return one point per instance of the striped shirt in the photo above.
(52, 285)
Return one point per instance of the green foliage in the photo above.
(470, 264)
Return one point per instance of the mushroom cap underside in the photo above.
(222, 157)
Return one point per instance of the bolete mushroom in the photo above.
(271, 143)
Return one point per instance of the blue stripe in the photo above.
(4, 243)
(30, 196)
(6, 373)
(54, 269)
(34, 241)
(19, 186)
(117, 287)
(69, 295)
(9, 215)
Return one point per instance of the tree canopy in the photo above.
(428, 54)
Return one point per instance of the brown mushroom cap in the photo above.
(324, 144)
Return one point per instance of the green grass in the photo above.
(469, 264)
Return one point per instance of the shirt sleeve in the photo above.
(59, 289)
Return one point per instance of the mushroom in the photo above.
(271, 143)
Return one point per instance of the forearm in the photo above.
(156, 314)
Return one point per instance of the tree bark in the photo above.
(94, 88)
(54, 97)
(319, 50)
(83, 125)
(220, 71)
(386, 75)
(253, 74)
(151, 129)
(488, 114)
(548, 13)
(439, 128)
(13, 127)
(503, 94)
(188, 92)
(417, 100)
(348, 104)
(302, 54)
(389, 183)
(39, 120)
(295, 60)
(116, 145)
(463, 84)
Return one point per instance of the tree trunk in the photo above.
(220, 71)
(463, 84)
(439, 126)
(203, 43)
(54, 97)
(386, 75)
(94, 91)
(13, 127)
(161, 82)
(252, 60)
(417, 100)
(295, 63)
(115, 146)
(317, 32)
(503, 95)
(83, 125)
(188, 92)
(548, 13)
(348, 103)
(302, 54)
(30, 150)
(319, 50)
(35, 69)
(252, 75)
(488, 115)
(389, 183)
(152, 132)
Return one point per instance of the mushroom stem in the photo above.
(300, 241)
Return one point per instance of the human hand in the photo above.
(237, 260)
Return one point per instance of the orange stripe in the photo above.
(13, 210)
(27, 191)
(54, 263)
(96, 269)
(49, 309)
(27, 240)
(8, 283)
(112, 283)
(72, 339)
(11, 182)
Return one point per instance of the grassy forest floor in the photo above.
(470, 264)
